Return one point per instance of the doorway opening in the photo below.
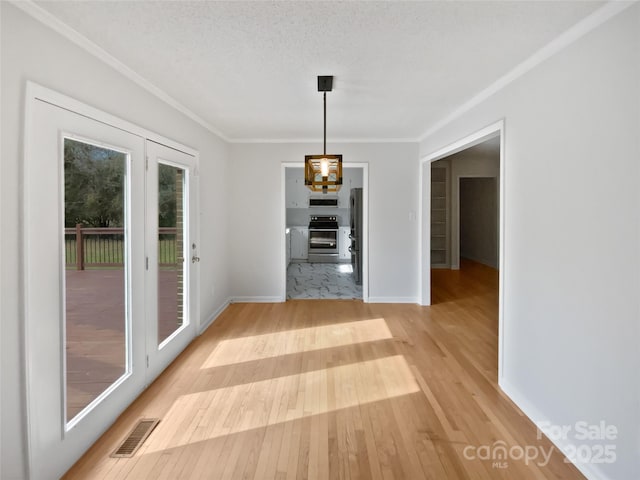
(463, 223)
(325, 237)
(478, 225)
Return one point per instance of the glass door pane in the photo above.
(171, 240)
(171, 243)
(95, 259)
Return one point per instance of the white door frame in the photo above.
(54, 440)
(486, 133)
(34, 94)
(159, 356)
(365, 224)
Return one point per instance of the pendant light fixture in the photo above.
(323, 173)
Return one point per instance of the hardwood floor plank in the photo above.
(335, 390)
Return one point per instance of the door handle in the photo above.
(195, 259)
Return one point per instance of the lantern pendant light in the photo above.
(323, 173)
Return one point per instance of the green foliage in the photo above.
(166, 196)
(94, 185)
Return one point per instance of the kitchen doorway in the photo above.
(324, 245)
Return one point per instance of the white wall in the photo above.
(31, 51)
(467, 164)
(257, 217)
(572, 234)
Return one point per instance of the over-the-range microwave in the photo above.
(324, 201)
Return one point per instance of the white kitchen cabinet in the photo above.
(344, 242)
(288, 245)
(351, 178)
(297, 193)
(343, 193)
(345, 189)
(299, 243)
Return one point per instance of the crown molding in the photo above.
(335, 141)
(584, 26)
(51, 21)
(46, 18)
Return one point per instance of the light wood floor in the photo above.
(338, 390)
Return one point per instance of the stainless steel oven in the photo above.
(323, 239)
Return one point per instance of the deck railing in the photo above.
(104, 247)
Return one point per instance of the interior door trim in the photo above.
(39, 92)
(496, 129)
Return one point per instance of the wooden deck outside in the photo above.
(334, 390)
(95, 334)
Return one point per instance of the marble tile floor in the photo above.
(322, 280)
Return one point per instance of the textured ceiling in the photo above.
(249, 68)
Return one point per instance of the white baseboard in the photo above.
(393, 300)
(214, 315)
(256, 300)
(589, 470)
(212, 318)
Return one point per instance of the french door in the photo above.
(171, 254)
(109, 234)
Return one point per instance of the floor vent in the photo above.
(136, 437)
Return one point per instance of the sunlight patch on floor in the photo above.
(214, 413)
(269, 345)
(345, 268)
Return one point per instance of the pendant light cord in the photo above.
(324, 99)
